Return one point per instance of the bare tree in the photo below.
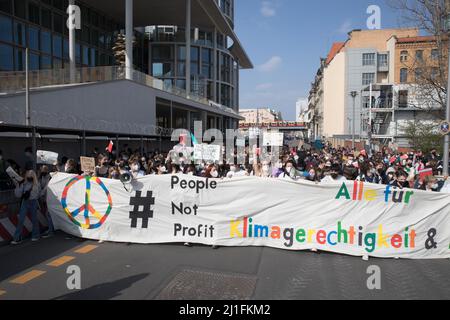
(430, 85)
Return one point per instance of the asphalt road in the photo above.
(147, 272)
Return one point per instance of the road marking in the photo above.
(60, 261)
(2, 292)
(27, 277)
(86, 249)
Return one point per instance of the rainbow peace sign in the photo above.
(88, 210)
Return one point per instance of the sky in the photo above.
(285, 40)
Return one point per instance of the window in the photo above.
(58, 23)
(368, 78)
(46, 18)
(6, 6)
(181, 53)
(46, 62)
(419, 74)
(59, 4)
(403, 56)
(33, 40)
(20, 9)
(86, 53)
(33, 13)
(403, 98)
(403, 75)
(194, 54)
(434, 73)
(20, 36)
(46, 42)
(5, 29)
(94, 57)
(162, 69)
(368, 59)
(85, 34)
(181, 69)
(6, 58)
(20, 59)
(382, 60)
(206, 63)
(181, 84)
(162, 52)
(434, 54)
(57, 46)
(419, 55)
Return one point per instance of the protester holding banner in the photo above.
(29, 192)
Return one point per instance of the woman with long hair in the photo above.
(29, 192)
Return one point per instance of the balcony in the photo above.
(14, 82)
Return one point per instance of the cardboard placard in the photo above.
(87, 164)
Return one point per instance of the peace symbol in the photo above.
(86, 208)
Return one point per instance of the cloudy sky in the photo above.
(286, 38)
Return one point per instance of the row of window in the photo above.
(368, 59)
(41, 13)
(419, 55)
(165, 64)
(419, 74)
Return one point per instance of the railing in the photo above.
(13, 82)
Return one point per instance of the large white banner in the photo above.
(352, 218)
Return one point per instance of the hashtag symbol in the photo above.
(146, 202)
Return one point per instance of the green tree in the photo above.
(423, 135)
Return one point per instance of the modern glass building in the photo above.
(180, 64)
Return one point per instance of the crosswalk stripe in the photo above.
(86, 249)
(27, 277)
(60, 261)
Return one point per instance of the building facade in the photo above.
(260, 116)
(184, 54)
(379, 69)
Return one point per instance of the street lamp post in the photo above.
(353, 94)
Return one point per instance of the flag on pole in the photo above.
(110, 146)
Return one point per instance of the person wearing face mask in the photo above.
(289, 172)
(160, 169)
(135, 168)
(277, 169)
(401, 180)
(114, 173)
(334, 175)
(29, 192)
(212, 172)
(430, 183)
(389, 177)
(102, 169)
(266, 170)
(312, 175)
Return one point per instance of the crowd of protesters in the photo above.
(415, 170)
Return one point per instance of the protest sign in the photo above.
(273, 139)
(46, 157)
(207, 152)
(87, 164)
